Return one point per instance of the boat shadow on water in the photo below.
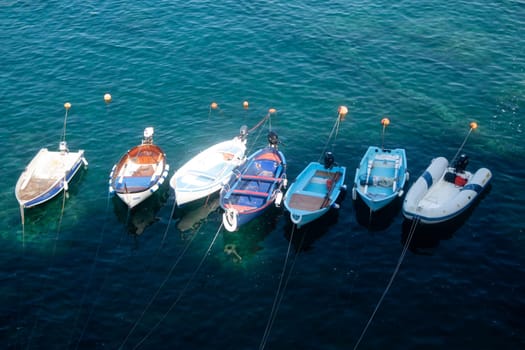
(46, 217)
(243, 244)
(137, 219)
(305, 236)
(427, 237)
(192, 216)
(378, 220)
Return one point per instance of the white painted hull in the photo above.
(138, 174)
(206, 173)
(47, 175)
(432, 199)
(134, 199)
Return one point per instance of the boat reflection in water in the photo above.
(138, 218)
(244, 244)
(43, 222)
(192, 216)
(304, 237)
(377, 220)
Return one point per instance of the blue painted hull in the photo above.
(381, 177)
(314, 192)
(253, 187)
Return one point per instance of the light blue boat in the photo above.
(315, 191)
(381, 177)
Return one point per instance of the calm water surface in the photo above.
(81, 280)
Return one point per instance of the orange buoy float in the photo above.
(272, 110)
(245, 104)
(343, 111)
(214, 105)
(107, 98)
(385, 121)
(67, 105)
(473, 125)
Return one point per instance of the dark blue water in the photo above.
(80, 279)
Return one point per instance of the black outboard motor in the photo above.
(273, 139)
(329, 160)
(461, 163)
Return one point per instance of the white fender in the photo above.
(229, 219)
(435, 171)
(278, 199)
(296, 218)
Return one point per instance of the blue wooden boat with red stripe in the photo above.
(254, 186)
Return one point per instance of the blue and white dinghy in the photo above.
(139, 172)
(381, 175)
(206, 173)
(48, 173)
(315, 191)
(442, 192)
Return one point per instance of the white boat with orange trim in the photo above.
(140, 172)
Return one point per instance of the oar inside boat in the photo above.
(317, 188)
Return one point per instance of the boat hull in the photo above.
(314, 192)
(436, 197)
(48, 174)
(207, 172)
(138, 174)
(253, 187)
(381, 177)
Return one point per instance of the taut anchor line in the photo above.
(181, 294)
(473, 125)
(341, 115)
(263, 120)
(394, 274)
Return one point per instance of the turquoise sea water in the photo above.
(431, 66)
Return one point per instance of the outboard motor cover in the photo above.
(329, 160)
(461, 163)
(273, 139)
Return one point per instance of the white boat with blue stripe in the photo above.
(442, 192)
(48, 173)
